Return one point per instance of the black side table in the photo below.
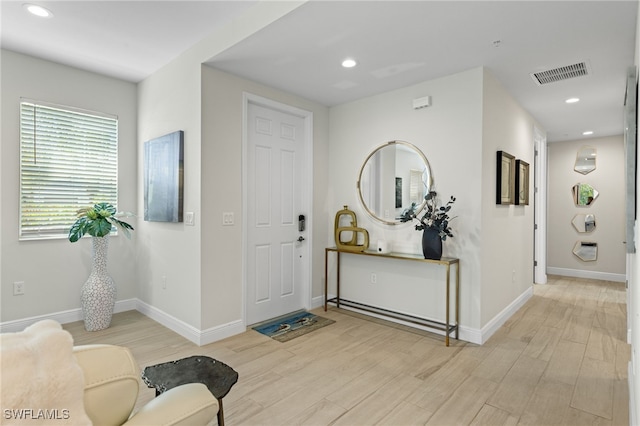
(217, 376)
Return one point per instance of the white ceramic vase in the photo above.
(98, 295)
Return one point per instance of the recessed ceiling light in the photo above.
(587, 133)
(572, 100)
(36, 10)
(349, 63)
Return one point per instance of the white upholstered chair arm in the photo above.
(111, 377)
(190, 404)
(110, 382)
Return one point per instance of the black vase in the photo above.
(431, 244)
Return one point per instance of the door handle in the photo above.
(300, 239)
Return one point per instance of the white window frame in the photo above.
(68, 161)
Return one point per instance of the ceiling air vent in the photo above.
(562, 73)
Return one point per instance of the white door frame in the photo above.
(540, 207)
(307, 190)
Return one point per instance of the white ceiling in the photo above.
(396, 44)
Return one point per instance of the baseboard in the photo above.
(471, 335)
(498, 321)
(593, 275)
(187, 331)
(213, 334)
(63, 317)
(220, 332)
(317, 302)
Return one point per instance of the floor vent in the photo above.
(562, 73)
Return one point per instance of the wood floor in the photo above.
(560, 360)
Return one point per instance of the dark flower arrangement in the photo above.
(434, 217)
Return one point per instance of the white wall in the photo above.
(222, 129)
(506, 237)
(170, 100)
(609, 180)
(54, 270)
(449, 134)
(471, 118)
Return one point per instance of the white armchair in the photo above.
(44, 377)
(111, 390)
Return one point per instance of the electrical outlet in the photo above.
(164, 282)
(374, 278)
(228, 218)
(18, 288)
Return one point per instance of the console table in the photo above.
(447, 327)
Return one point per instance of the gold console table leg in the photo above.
(446, 320)
(326, 279)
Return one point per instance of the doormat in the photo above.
(292, 325)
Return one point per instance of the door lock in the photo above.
(300, 239)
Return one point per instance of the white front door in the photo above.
(276, 249)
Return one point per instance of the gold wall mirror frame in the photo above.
(587, 251)
(393, 176)
(584, 194)
(585, 160)
(584, 222)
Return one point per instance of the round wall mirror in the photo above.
(584, 194)
(585, 160)
(395, 175)
(584, 222)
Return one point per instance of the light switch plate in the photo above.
(190, 218)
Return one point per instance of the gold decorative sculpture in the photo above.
(352, 244)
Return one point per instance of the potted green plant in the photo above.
(98, 294)
(97, 221)
(434, 223)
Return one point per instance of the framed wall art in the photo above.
(522, 183)
(505, 178)
(398, 192)
(164, 178)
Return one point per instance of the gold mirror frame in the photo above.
(587, 251)
(584, 194)
(584, 223)
(585, 160)
(427, 182)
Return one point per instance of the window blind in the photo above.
(68, 160)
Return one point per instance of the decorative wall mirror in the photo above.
(586, 251)
(585, 160)
(584, 194)
(395, 175)
(584, 222)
